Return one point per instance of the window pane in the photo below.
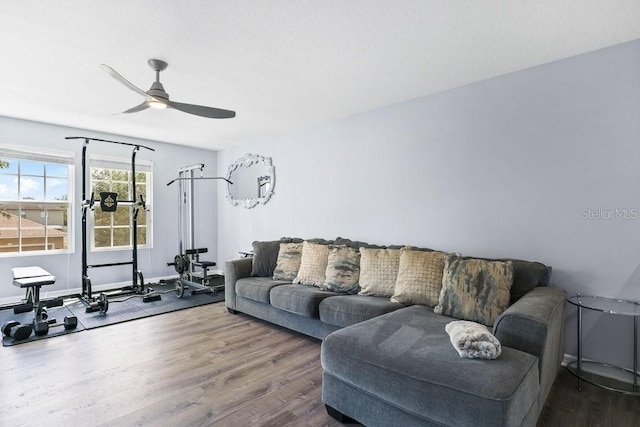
(8, 187)
(101, 218)
(142, 235)
(100, 173)
(141, 190)
(141, 177)
(57, 189)
(9, 166)
(98, 187)
(28, 167)
(121, 237)
(9, 233)
(142, 216)
(56, 169)
(122, 216)
(119, 175)
(122, 189)
(31, 188)
(102, 237)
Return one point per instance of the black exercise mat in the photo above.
(132, 307)
(57, 313)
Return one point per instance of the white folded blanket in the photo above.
(473, 340)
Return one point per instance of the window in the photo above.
(114, 229)
(36, 202)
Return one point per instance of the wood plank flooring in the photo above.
(202, 367)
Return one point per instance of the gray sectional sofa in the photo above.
(388, 364)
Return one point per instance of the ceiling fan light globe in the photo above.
(156, 104)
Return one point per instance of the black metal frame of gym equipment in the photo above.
(187, 259)
(102, 302)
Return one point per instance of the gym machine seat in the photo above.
(32, 278)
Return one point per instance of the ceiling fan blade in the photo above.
(198, 110)
(137, 108)
(113, 73)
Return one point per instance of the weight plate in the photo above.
(177, 263)
(6, 328)
(103, 303)
(179, 290)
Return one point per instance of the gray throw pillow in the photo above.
(265, 256)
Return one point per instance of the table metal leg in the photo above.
(579, 338)
(635, 353)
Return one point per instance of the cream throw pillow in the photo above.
(313, 264)
(419, 277)
(378, 271)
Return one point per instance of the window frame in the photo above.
(51, 157)
(120, 164)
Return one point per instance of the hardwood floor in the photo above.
(203, 366)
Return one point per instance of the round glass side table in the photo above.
(607, 376)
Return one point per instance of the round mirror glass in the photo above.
(253, 179)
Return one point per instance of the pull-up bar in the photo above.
(195, 178)
(86, 140)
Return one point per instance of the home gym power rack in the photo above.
(189, 257)
(108, 203)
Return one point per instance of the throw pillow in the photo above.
(474, 289)
(288, 262)
(312, 264)
(343, 270)
(419, 277)
(265, 256)
(378, 271)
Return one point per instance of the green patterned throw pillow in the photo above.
(475, 290)
(343, 270)
(288, 262)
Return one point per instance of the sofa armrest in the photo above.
(535, 325)
(233, 271)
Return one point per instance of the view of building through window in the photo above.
(34, 204)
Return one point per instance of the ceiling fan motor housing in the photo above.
(157, 91)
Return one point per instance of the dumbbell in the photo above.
(42, 327)
(16, 330)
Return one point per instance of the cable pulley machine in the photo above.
(109, 203)
(187, 263)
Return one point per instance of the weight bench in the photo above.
(32, 278)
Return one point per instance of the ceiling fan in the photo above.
(156, 97)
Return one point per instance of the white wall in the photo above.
(166, 158)
(504, 167)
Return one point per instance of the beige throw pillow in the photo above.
(313, 264)
(288, 262)
(378, 271)
(475, 289)
(419, 277)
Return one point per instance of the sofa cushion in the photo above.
(299, 299)
(475, 289)
(378, 271)
(257, 288)
(313, 264)
(405, 358)
(343, 270)
(346, 310)
(288, 262)
(419, 277)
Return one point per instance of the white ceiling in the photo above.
(281, 64)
